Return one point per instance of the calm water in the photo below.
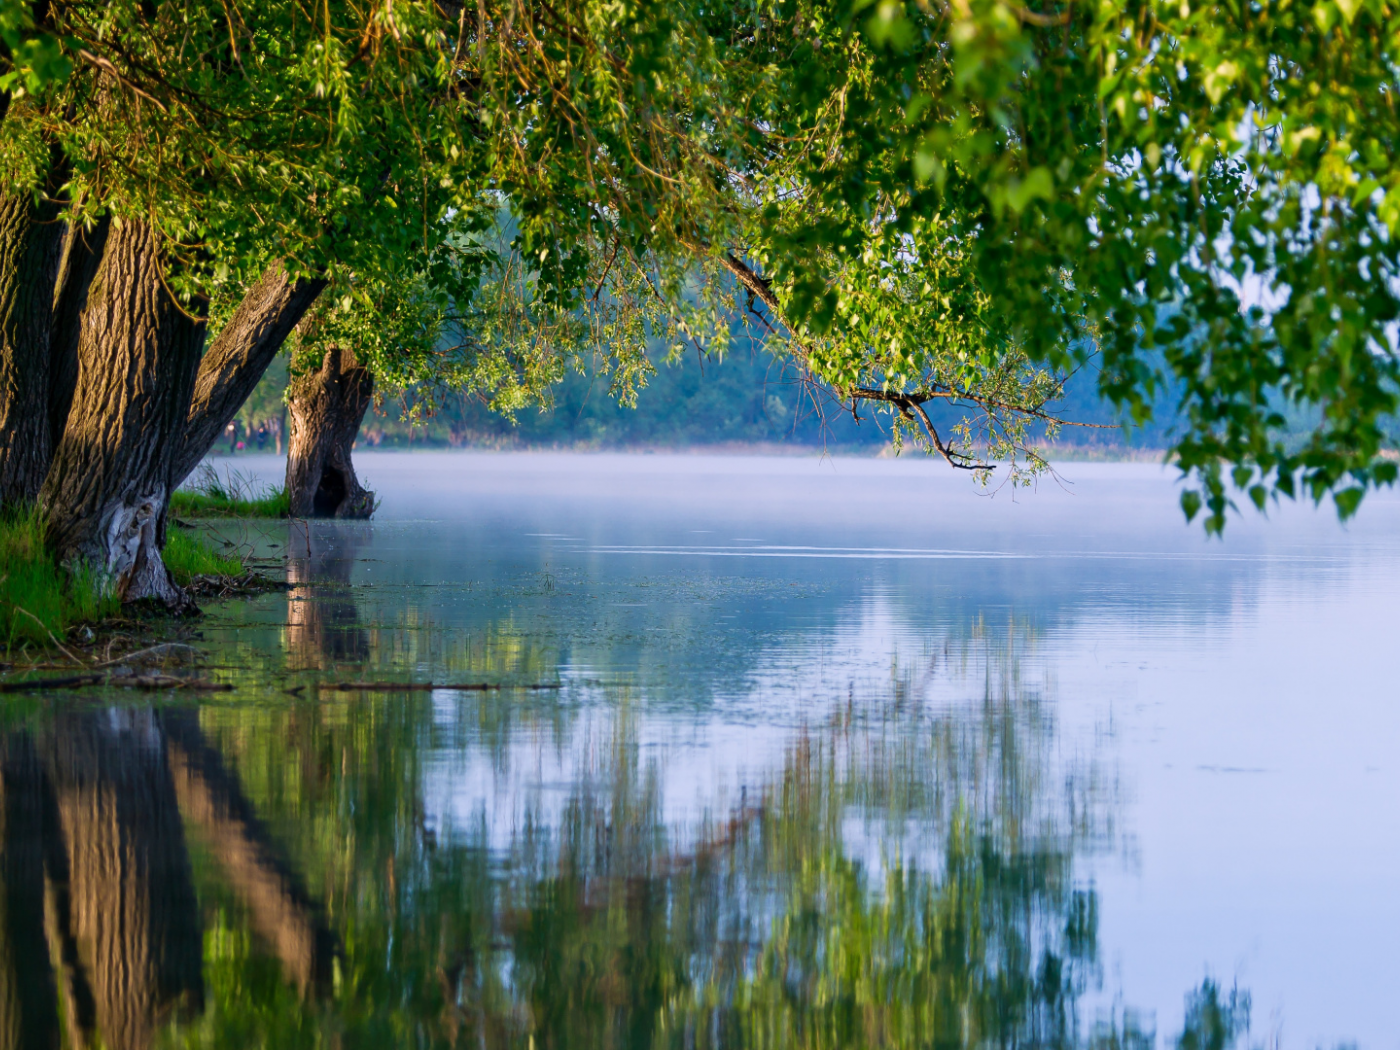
(777, 752)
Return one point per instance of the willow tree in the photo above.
(188, 152)
(966, 202)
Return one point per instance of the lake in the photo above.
(735, 751)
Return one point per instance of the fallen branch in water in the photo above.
(52, 637)
(250, 583)
(156, 653)
(69, 682)
(401, 687)
(125, 681)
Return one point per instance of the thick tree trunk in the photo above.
(327, 407)
(30, 241)
(238, 358)
(77, 266)
(138, 352)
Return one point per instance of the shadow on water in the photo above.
(911, 872)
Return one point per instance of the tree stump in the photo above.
(326, 408)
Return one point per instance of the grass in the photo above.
(39, 599)
(235, 495)
(188, 555)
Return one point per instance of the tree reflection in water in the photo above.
(910, 874)
(103, 939)
(323, 620)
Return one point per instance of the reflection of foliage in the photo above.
(1213, 1023)
(907, 875)
(606, 925)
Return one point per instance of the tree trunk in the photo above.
(82, 251)
(30, 239)
(327, 407)
(238, 358)
(107, 490)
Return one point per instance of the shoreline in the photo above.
(1054, 453)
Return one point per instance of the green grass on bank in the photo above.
(38, 598)
(235, 495)
(188, 555)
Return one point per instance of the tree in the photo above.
(962, 203)
(260, 154)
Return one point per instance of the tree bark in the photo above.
(327, 407)
(77, 266)
(30, 239)
(138, 353)
(238, 358)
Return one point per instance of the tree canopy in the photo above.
(920, 202)
(962, 201)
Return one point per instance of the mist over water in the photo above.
(776, 751)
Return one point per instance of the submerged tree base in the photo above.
(327, 406)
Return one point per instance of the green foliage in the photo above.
(323, 135)
(39, 600)
(187, 554)
(965, 203)
(233, 496)
(30, 58)
(920, 204)
(266, 405)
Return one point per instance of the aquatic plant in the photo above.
(187, 555)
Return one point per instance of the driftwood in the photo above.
(126, 681)
(415, 687)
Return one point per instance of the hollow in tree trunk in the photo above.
(30, 240)
(138, 352)
(326, 408)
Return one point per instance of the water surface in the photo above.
(757, 752)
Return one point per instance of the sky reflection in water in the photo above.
(840, 754)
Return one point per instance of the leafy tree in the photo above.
(192, 152)
(965, 202)
(924, 204)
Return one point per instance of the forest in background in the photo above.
(748, 399)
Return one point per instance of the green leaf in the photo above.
(1347, 501)
(1190, 504)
